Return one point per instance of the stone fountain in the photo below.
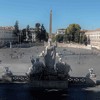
(50, 73)
(49, 67)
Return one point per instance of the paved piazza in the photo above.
(18, 59)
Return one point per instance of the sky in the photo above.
(86, 13)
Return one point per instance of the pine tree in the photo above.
(16, 30)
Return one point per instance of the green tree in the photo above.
(38, 31)
(23, 37)
(28, 28)
(73, 32)
(37, 25)
(77, 37)
(47, 37)
(16, 28)
(81, 38)
(85, 39)
(44, 34)
(41, 33)
(53, 38)
(29, 33)
(88, 40)
(59, 37)
(65, 38)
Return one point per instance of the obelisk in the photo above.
(50, 27)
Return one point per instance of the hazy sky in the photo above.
(65, 12)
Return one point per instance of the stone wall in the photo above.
(74, 45)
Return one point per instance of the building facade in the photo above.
(94, 37)
(61, 31)
(6, 35)
(33, 34)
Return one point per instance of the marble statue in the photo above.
(62, 67)
(32, 60)
(50, 56)
(38, 66)
(7, 72)
(91, 74)
(50, 66)
(30, 71)
(6, 76)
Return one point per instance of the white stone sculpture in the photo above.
(32, 60)
(30, 71)
(62, 67)
(38, 66)
(7, 75)
(7, 72)
(50, 56)
(91, 73)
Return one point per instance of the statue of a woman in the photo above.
(50, 56)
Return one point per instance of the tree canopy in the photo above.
(16, 28)
(59, 37)
(41, 33)
(73, 32)
(29, 35)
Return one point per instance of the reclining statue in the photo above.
(30, 71)
(32, 60)
(36, 68)
(62, 68)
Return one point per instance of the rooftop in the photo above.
(6, 28)
(98, 29)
